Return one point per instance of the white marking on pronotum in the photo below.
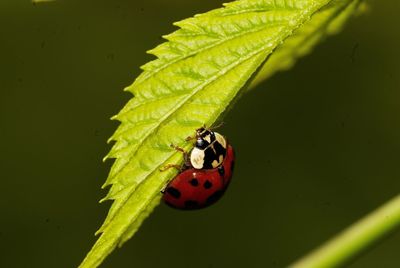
(197, 158)
(208, 138)
(220, 139)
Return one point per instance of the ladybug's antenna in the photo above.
(220, 124)
(203, 128)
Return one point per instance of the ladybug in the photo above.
(209, 151)
(195, 187)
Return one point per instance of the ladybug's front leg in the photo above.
(185, 154)
(168, 166)
(178, 167)
(179, 149)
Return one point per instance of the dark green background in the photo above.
(317, 147)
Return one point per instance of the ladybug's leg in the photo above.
(168, 166)
(195, 136)
(185, 154)
(189, 138)
(178, 167)
(179, 149)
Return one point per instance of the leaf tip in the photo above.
(114, 117)
(126, 88)
(98, 232)
(103, 187)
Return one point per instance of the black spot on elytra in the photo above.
(207, 184)
(214, 197)
(232, 165)
(194, 182)
(191, 204)
(221, 170)
(174, 192)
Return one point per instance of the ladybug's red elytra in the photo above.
(207, 175)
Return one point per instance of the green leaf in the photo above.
(197, 76)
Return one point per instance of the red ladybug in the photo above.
(198, 188)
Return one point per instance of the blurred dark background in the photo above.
(318, 146)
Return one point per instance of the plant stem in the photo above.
(354, 239)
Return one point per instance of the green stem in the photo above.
(354, 239)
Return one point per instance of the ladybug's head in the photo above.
(204, 137)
